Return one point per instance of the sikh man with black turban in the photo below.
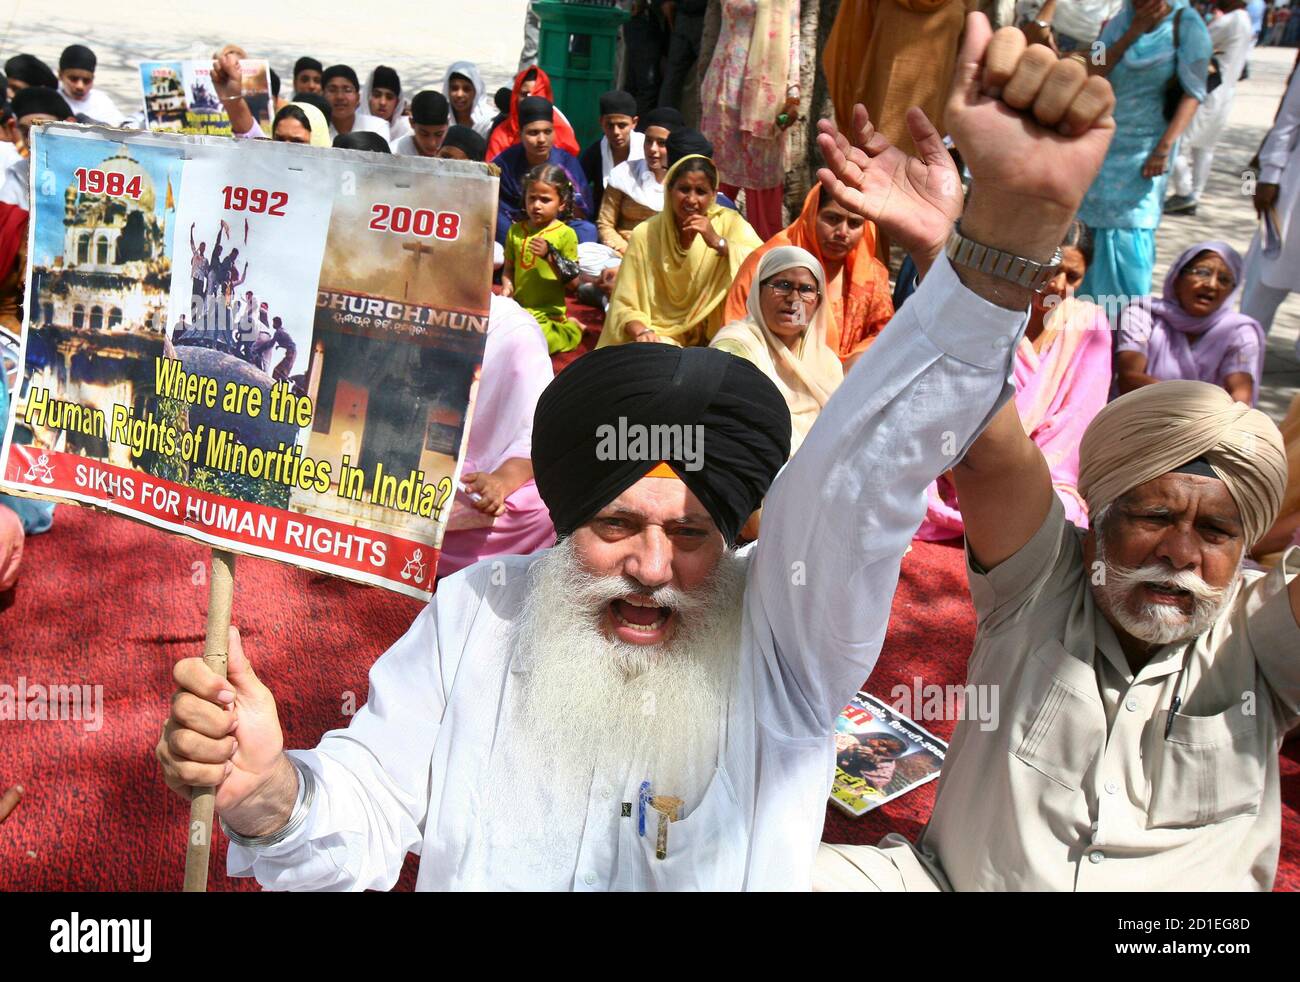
(642, 707)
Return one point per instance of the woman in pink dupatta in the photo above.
(504, 515)
(1062, 376)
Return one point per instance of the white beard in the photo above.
(586, 704)
(1159, 623)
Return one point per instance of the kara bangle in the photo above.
(301, 809)
(1004, 265)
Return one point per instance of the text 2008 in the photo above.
(420, 222)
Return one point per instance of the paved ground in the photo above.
(1225, 213)
(419, 38)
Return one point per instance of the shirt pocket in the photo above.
(1210, 769)
(705, 850)
(1059, 724)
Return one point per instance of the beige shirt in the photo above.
(1078, 788)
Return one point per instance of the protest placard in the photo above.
(179, 97)
(267, 347)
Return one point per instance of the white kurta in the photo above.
(365, 123)
(1279, 163)
(16, 188)
(408, 774)
(97, 106)
(399, 128)
(1232, 38)
(405, 146)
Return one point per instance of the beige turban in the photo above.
(1156, 429)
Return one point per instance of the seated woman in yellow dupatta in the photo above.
(1286, 530)
(785, 335)
(679, 264)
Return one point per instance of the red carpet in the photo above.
(104, 601)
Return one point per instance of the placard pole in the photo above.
(202, 801)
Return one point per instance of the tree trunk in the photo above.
(816, 17)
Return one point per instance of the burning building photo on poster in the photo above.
(98, 292)
(400, 329)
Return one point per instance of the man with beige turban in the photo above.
(1147, 680)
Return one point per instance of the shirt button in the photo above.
(605, 794)
(590, 878)
(1131, 704)
(1095, 857)
(1111, 787)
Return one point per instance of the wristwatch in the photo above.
(721, 246)
(1004, 265)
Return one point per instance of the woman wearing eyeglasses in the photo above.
(1194, 331)
(785, 335)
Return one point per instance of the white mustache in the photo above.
(1162, 576)
(600, 590)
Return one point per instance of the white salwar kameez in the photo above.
(409, 773)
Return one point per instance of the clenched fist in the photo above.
(225, 734)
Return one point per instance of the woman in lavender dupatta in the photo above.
(1062, 377)
(502, 515)
(1194, 331)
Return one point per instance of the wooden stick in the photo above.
(203, 800)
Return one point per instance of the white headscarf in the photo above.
(483, 110)
(808, 375)
(636, 180)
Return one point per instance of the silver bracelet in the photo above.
(1004, 265)
(301, 809)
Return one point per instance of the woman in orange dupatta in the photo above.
(857, 282)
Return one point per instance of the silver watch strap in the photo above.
(301, 809)
(1005, 265)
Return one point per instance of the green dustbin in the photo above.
(578, 49)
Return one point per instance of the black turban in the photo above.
(77, 57)
(533, 109)
(38, 100)
(617, 103)
(665, 116)
(465, 139)
(683, 142)
(386, 78)
(502, 99)
(339, 71)
(362, 140)
(33, 71)
(430, 109)
(306, 64)
(744, 421)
